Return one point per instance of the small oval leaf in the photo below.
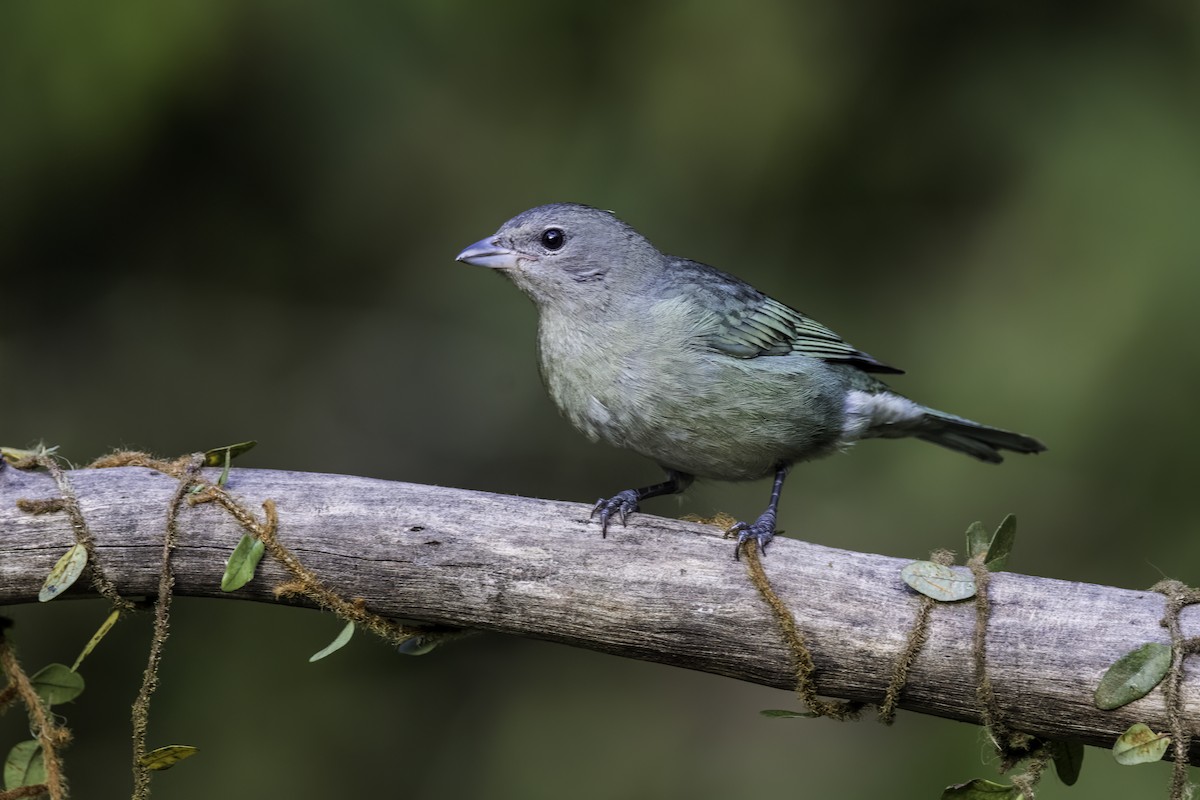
(1002, 544)
(1140, 745)
(336, 644)
(1068, 760)
(239, 569)
(100, 633)
(430, 638)
(977, 540)
(782, 712)
(1133, 675)
(417, 646)
(57, 683)
(938, 581)
(24, 765)
(217, 456)
(20, 453)
(65, 572)
(161, 758)
(980, 789)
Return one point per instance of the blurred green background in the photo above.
(233, 220)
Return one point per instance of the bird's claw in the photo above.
(762, 531)
(622, 504)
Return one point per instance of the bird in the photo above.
(695, 368)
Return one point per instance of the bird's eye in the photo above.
(553, 238)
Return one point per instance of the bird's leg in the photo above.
(625, 503)
(763, 529)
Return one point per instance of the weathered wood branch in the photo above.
(660, 590)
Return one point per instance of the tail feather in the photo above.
(979, 441)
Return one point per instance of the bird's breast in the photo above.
(592, 374)
(650, 385)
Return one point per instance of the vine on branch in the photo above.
(35, 767)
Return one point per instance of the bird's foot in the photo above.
(761, 532)
(622, 505)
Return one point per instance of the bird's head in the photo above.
(565, 254)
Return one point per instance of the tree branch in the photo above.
(660, 590)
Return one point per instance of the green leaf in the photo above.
(239, 569)
(418, 645)
(1140, 745)
(780, 712)
(431, 637)
(979, 789)
(161, 758)
(336, 644)
(100, 633)
(220, 455)
(1068, 760)
(57, 683)
(19, 454)
(24, 765)
(977, 540)
(1133, 675)
(65, 572)
(938, 581)
(1002, 544)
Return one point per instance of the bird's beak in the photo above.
(486, 253)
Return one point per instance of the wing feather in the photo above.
(748, 324)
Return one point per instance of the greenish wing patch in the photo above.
(769, 328)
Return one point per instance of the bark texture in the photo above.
(660, 590)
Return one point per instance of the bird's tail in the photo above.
(972, 438)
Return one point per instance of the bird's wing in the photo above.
(748, 324)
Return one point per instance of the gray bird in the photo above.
(696, 369)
